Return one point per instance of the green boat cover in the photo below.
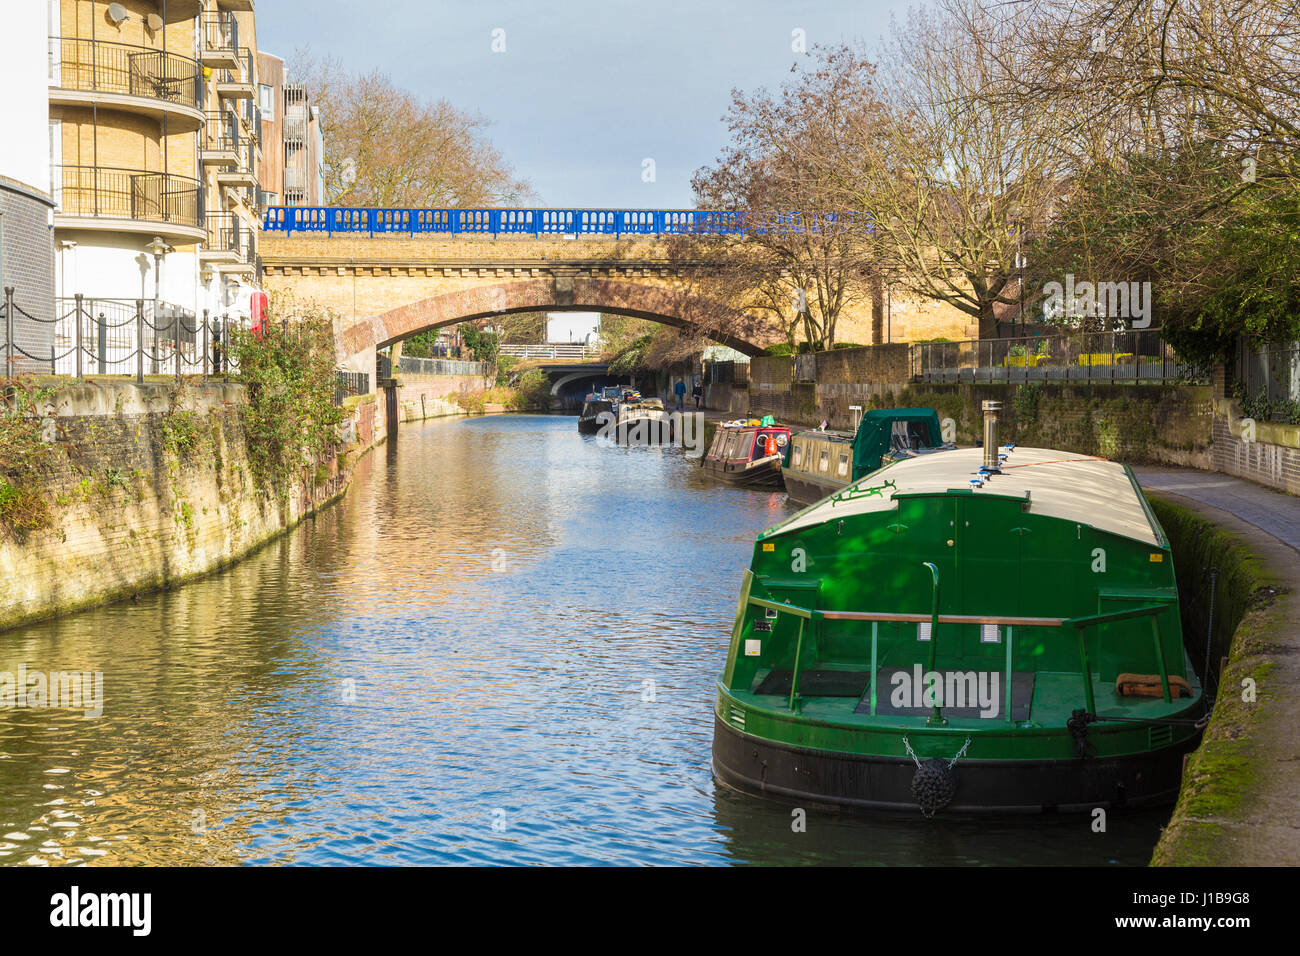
(873, 437)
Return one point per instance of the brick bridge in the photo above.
(389, 274)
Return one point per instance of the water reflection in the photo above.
(500, 647)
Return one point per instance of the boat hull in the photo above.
(805, 490)
(850, 782)
(759, 474)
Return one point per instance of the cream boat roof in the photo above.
(1060, 484)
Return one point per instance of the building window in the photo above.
(266, 101)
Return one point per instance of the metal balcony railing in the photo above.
(98, 191)
(228, 233)
(101, 66)
(222, 132)
(221, 32)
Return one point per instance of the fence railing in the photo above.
(1138, 356)
(93, 336)
(561, 350)
(536, 222)
(98, 191)
(350, 383)
(427, 366)
(1269, 372)
(101, 66)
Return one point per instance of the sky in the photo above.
(581, 93)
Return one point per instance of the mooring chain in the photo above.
(960, 753)
(915, 759)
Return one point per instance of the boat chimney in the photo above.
(991, 411)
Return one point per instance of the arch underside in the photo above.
(653, 303)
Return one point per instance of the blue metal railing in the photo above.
(537, 222)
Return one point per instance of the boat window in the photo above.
(842, 469)
(796, 454)
(824, 461)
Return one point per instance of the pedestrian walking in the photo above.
(680, 389)
(697, 392)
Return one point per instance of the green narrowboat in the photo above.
(821, 463)
(991, 629)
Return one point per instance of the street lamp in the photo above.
(1020, 265)
(159, 250)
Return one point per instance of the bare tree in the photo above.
(954, 179)
(385, 146)
(795, 259)
(1181, 120)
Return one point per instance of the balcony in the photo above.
(237, 83)
(231, 246)
(241, 175)
(221, 142)
(244, 6)
(127, 77)
(128, 200)
(220, 49)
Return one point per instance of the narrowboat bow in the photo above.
(749, 453)
(986, 630)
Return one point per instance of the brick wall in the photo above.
(27, 264)
(132, 510)
(1137, 424)
(433, 396)
(1269, 454)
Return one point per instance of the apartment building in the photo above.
(26, 243)
(154, 149)
(292, 173)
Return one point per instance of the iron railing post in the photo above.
(9, 331)
(77, 299)
(176, 342)
(205, 345)
(139, 341)
(101, 337)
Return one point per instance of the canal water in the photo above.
(499, 648)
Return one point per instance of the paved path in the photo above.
(1273, 512)
(1261, 756)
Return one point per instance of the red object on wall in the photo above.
(257, 312)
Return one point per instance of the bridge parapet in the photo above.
(562, 351)
(613, 223)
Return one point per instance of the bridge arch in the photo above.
(637, 299)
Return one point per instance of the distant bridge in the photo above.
(328, 221)
(563, 351)
(389, 274)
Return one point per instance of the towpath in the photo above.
(1251, 815)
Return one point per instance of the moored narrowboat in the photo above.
(748, 453)
(595, 405)
(624, 414)
(986, 630)
(821, 463)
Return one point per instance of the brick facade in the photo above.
(27, 264)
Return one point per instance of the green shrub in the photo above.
(290, 419)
